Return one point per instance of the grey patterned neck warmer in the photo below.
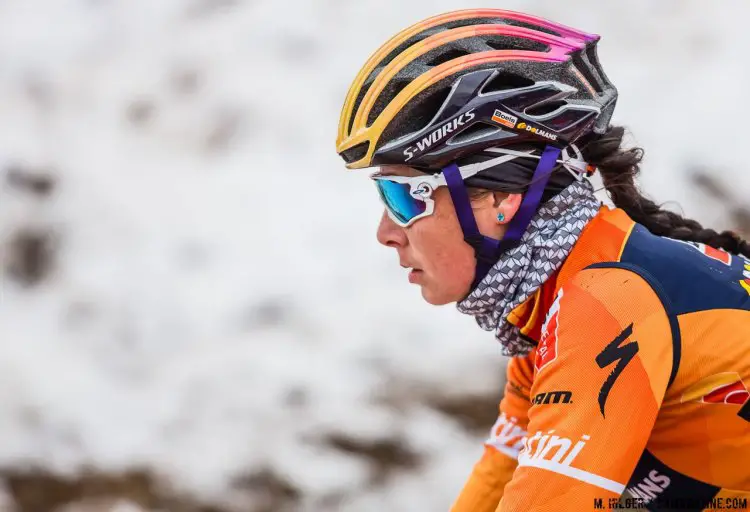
(521, 271)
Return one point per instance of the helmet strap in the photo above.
(488, 250)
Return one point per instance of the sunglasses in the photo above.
(409, 198)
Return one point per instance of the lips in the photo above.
(415, 275)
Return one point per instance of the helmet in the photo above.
(461, 82)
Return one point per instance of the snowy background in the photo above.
(195, 314)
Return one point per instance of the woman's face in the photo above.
(442, 263)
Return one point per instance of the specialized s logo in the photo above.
(615, 352)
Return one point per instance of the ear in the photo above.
(506, 206)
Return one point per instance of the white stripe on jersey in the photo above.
(578, 474)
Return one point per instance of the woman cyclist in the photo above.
(628, 327)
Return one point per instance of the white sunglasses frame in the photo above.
(421, 187)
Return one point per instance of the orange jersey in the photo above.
(639, 382)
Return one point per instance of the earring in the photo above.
(501, 217)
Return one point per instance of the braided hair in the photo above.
(619, 167)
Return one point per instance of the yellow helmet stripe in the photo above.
(391, 45)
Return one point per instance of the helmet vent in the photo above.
(355, 153)
(569, 119)
(357, 103)
(433, 102)
(420, 37)
(585, 69)
(448, 55)
(523, 24)
(391, 90)
(504, 81)
(515, 43)
(546, 108)
(474, 132)
(407, 121)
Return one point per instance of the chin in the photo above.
(436, 298)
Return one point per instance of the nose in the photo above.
(389, 233)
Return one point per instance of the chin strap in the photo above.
(488, 250)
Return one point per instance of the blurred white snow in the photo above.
(209, 301)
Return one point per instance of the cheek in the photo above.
(448, 262)
(450, 272)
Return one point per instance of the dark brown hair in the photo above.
(619, 167)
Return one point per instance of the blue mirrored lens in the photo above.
(398, 200)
